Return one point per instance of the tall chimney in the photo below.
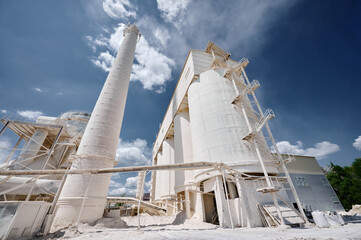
(99, 143)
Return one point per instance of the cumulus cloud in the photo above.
(104, 61)
(207, 21)
(162, 35)
(152, 68)
(357, 143)
(320, 150)
(133, 153)
(38, 90)
(172, 10)
(119, 9)
(128, 188)
(3, 111)
(130, 153)
(31, 115)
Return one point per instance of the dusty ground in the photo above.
(163, 229)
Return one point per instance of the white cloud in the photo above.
(173, 10)
(133, 153)
(31, 115)
(320, 151)
(38, 89)
(162, 36)
(357, 143)
(104, 61)
(245, 26)
(119, 9)
(152, 68)
(192, 25)
(130, 153)
(128, 188)
(3, 111)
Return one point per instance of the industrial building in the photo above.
(214, 116)
(312, 186)
(214, 158)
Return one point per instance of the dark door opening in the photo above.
(210, 208)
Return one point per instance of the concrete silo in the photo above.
(214, 116)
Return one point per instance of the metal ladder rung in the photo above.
(246, 90)
(260, 124)
(268, 189)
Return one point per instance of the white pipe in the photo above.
(140, 185)
(12, 185)
(187, 202)
(165, 167)
(83, 202)
(227, 199)
(140, 195)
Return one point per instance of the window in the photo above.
(301, 182)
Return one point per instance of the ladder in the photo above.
(257, 121)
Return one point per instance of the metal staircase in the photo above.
(257, 121)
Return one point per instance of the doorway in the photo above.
(210, 208)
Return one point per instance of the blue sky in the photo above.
(306, 55)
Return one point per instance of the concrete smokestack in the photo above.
(99, 143)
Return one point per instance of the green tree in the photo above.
(346, 181)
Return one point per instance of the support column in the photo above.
(168, 156)
(223, 215)
(140, 185)
(183, 152)
(158, 188)
(153, 181)
(246, 215)
(199, 207)
(188, 204)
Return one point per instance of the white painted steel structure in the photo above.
(98, 145)
(50, 143)
(214, 116)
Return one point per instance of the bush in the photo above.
(346, 181)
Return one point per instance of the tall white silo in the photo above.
(218, 128)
